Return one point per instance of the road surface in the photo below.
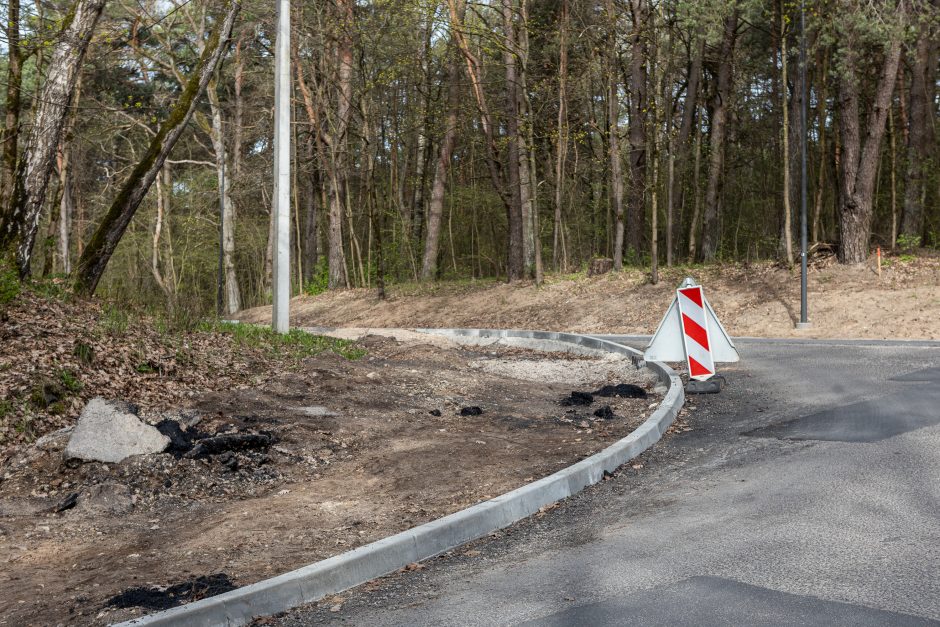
(807, 493)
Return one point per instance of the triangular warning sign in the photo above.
(668, 345)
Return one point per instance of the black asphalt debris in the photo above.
(229, 460)
(577, 398)
(623, 390)
(67, 503)
(473, 410)
(435, 412)
(230, 442)
(605, 413)
(180, 441)
(154, 598)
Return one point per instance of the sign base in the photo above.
(712, 386)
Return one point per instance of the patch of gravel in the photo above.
(574, 372)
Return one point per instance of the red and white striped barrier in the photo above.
(691, 332)
(695, 335)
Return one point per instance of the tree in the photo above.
(20, 220)
(613, 136)
(861, 153)
(436, 208)
(921, 137)
(721, 104)
(639, 105)
(98, 252)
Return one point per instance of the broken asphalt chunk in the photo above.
(605, 413)
(623, 390)
(577, 398)
(229, 442)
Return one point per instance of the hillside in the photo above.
(760, 300)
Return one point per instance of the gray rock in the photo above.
(108, 432)
(55, 441)
(187, 418)
(317, 411)
(109, 497)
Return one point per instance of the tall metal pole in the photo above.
(804, 312)
(281, 309)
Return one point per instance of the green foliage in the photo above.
(84, 352)
(6, 408)
(70, 380)
(296, 343)
(53, 287)
(320, 281)
(9, 284)
(25, 426)
(908, 242)
(114, 320)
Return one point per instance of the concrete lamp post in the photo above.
(280, 315)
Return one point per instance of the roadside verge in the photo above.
(330, 576)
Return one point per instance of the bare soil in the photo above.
(760, 300)
(361, 449)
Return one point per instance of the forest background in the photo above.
(439, 139)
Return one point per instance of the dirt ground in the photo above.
(352, 451)
(761, 300)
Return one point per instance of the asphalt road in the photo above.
(807, 493)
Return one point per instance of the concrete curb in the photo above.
(315, 581)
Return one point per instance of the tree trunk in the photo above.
(474, 73)
(683, 142)
(515, 253)
(339, 148)
(636, 212)
(224, 171)
(11, 129)
(527, 165)
(109, 232)
(821, 103)
(613, 136)
(309, 246)
(315, 149)
(162, 216)
(786, 235)
(697, 196)
(66, 210)
(436, 208)
(31, 180)
(559, 249)
(860, 156)
(921, 135)
(66, 194)
(710, 230)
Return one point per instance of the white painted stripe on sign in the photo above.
(695, 334)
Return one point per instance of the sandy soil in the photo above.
(760, 300)
(362, 449)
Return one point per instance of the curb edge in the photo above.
(383, 557)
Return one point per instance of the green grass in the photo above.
(52, 287)
(295, 343)
(114, 320)
(84, 352)
(70, 381)
(9, 284)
